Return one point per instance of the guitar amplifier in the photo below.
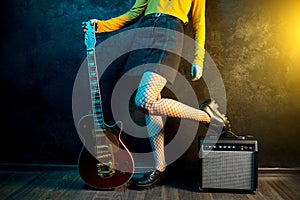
(228, 164)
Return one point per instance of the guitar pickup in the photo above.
(104, 156)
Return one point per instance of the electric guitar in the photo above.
(104, 162)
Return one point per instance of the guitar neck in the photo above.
(95, 90)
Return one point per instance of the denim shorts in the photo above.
(157, 47)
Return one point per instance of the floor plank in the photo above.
(67, 184)
(14, 182)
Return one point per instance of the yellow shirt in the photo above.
(177, 8)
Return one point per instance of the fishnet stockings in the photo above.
(156, 136)
(148, 98)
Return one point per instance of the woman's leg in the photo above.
(147, 98)
(156, 137)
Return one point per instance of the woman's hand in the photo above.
(196, 72)
(93, 22)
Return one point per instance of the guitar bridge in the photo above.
(105, 170)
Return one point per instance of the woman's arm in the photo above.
(198, 21)
(119, 22)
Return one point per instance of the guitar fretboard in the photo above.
(95, 92)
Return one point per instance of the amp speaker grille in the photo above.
(228, 170)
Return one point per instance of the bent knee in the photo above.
(141, 102)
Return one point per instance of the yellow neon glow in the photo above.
(297, 34)
(290, 16)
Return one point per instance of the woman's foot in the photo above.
(217, 120)
(150, 179)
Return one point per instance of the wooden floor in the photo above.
(67, 184)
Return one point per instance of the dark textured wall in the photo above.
(42, 49)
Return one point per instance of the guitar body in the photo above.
(88, 171)
(123, 165)
(104, 162)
